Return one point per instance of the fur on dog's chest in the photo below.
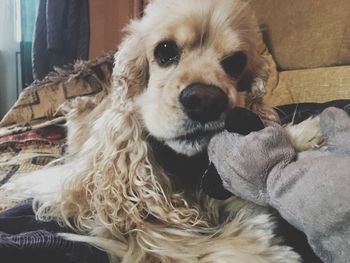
(185, 171)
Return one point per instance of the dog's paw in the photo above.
(306, 135)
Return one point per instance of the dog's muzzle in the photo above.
(202, 102)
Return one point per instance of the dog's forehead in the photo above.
(196, 23)
(203, 32)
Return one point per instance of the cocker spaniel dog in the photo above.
(177, 72)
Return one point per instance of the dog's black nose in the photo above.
(203, 102)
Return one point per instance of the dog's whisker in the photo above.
(295, 113)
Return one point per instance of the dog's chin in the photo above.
(189, 148)
(193, 142)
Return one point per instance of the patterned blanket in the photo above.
(32, 133)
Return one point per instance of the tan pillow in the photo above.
(39, 103)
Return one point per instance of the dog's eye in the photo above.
(235, 64)
(167, 53)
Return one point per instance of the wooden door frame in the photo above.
(107, 19)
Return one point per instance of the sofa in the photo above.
(310, 46)
(305, 43)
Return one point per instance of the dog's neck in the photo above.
(185, 171)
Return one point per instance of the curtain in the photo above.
(61, 35)
(28, 15)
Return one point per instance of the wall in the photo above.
(107, 19)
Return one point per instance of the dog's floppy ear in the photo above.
(254, 78)
(131, 65)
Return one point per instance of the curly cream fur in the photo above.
(118, 197)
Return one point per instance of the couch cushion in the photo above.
(306, 34)
(310, 85)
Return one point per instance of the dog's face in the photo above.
(200, 60)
